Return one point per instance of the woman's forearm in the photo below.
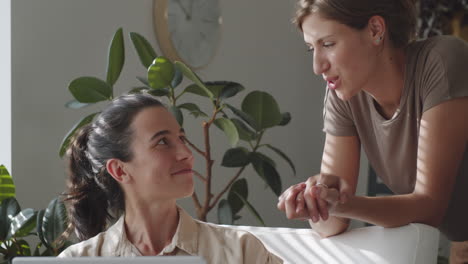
(391, 211)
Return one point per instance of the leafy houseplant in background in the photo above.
(247, 125)
(16, 225)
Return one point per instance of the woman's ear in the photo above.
(117, 170)
(377, 29)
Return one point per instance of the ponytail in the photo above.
(87, 201)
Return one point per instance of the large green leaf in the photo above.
(195, 89)
(229, 129)
(244, 116)
(251, 209)
(178, 77)
(7, 187)
(240, 187)
(236, 157)
(90, 90)
(143, 80)
(66, 140)
(261, 156)
(160, 73)
(175, 111)
(284, 156)
(193, 77)
(245, 133)
(74, 104)
(216, 87)
(159, 92)
(219, 89)
(116, 57)
(23, 223)
(54, 222)
(230, 90)
(267, 171)
(9, 208)
(193, 109)
(39, 222)
(262, 107)
(143, 48)
(224, 213)
(285, 118)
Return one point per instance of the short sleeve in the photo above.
(445, 74)
(337, 116)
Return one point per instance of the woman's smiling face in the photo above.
(161, 167)
(345, 57)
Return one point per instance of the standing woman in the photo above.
(132, 162)
(405, 102)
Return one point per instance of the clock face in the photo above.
(194, 29)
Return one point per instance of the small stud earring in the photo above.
(377, 41)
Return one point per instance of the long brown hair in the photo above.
(399, 15)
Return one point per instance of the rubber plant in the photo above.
(244, 126)
(17, 224)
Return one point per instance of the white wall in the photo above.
(55, 41)
(5, 83)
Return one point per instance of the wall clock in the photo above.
(188, 30)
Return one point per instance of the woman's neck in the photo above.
(386, 86)
(151, 227)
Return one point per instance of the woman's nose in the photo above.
(183, 152)
(321, 65)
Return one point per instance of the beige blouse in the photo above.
(216, 244)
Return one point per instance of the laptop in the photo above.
(111, 260)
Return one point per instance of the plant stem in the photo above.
(209, 166)
(171, 94)
(226, 187)
(197, 202)
(199, 175)
(196, 148)
(177, 97)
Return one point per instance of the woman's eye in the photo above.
(162, 141)
(310, 49)
(328, 44)
(183, 139)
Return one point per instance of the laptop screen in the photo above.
(111, 260)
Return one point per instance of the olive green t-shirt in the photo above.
(436, 71)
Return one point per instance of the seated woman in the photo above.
(132, 162)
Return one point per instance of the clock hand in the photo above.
(187, 15)
(191, 7)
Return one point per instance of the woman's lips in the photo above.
(333, 84)
(184, 171)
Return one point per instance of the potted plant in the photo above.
(244, 126)
(17, 224)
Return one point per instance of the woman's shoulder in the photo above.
(444, 48)
(90, 247)
(105, 243)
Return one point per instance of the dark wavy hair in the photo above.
(400, 15)
(93, 195)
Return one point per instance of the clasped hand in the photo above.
(314, 199)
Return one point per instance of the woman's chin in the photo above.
(189, 190)
(344, 96)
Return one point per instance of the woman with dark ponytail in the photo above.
(405, 102)
(132, 164)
